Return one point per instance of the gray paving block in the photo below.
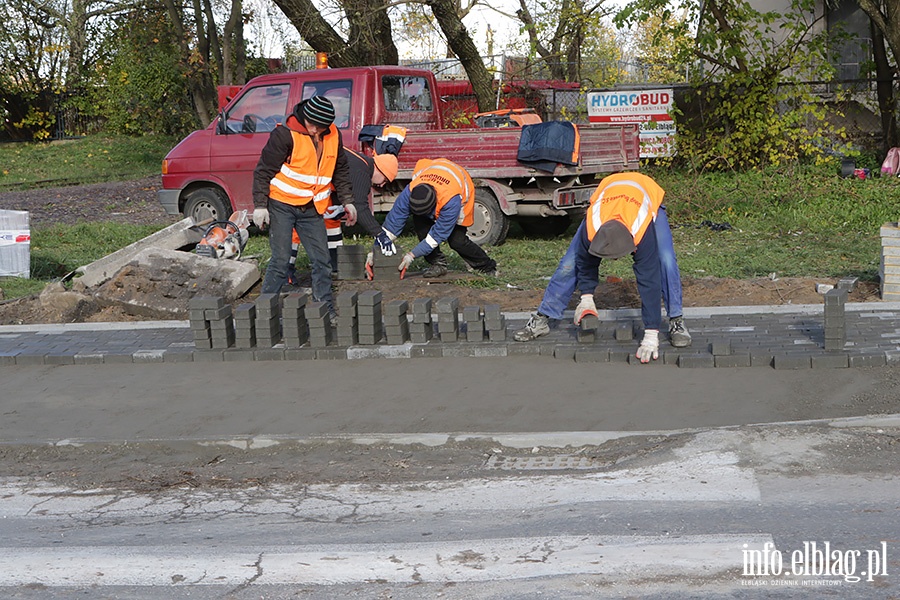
(497, 335)
(522, 348)
(268, 354)
(267, 302)
(331, 354)
(733, 360)
(449, 336)
(59, 359)
(205, 302)
(209, 356)
(565, 351)
(619, 356)
(88, 359)
(346, 300)
(178, 356)
(297, 354)
(448, 304)
(624, 333)
(217, 314)
(634, 360)
(492, 312)
(585, 336)
(369, 298)
(761, 358)
(239, 356)
(431, 350)
(867, 360)
(694, 361)
(791, 361)
(472, 313)
(30, 359)
(834, 344)
(830, 361)
(295, 301)
(720, 347)
(245, 311)
(396, 308)
(589, 323)
(120, 358)
(835, 296)
(148, 356)
(586, 355)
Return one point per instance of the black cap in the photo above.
(422, 199)
(318, 110)
(612, 240)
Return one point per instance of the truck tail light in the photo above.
(321, 60)
(565, 199)
(165, 167)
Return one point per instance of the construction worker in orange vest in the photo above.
(441, 199)
(299, 168)
(366, 172)
(620, 220)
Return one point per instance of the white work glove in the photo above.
(350, 210)
(261, 217)
(585, 307)
(406, 261)
(386, 243)
(334, 211)
(649, 346)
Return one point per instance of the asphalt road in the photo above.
(673, 517)
(511, 394)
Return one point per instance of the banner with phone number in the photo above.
(649, 108)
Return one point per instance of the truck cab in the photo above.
(210, 172)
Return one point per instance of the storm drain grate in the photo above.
(542, 463)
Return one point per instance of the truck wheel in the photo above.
(207, 203)
(491, 225)
(545, 227)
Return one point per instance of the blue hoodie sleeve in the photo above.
(399, 213)
(587, 266)
(441, 229)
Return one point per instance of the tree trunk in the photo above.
(461, 43)
(318, 33)
(884, 85)
(199, 81)
(370, 32)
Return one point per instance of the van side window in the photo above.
(406, 94)
(259, 109)
(340, 94)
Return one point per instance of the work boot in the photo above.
(537, 326)
(678, 333)
(438, 269)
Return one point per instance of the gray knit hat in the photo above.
(422, 200)
(318, 110)
(612, 240)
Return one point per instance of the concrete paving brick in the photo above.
(791, 362)
(761, 358)
(88, 359)
(720, 347)
(59, 359)
(369, 298)
(830, 361)
(119, 358)
(431, 350)
(522, 348)
(497, 335)
(867, 360)
(29, 359)
(585, 336)
(235, 355)
(331, 354)
(148, 356)
(695, 361)
(209, 356)
(266, 354)
(206, 302)
(732, 360)
(565, 351)
(449, 336)
(619, 356)
(591, 355)
(624, 332)
(171, 356)
(294, 354)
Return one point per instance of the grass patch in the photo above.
(92, 159)
(802, 221)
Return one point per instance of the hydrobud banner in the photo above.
(651, 109)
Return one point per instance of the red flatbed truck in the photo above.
(210, 172)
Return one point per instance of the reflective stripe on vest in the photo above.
(448, 179)
(302, 179)
(631, 198)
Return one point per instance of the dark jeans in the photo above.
(310, 226)
(468, 250)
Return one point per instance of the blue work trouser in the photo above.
(310, 226)
(563, 283)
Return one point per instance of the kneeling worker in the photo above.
(441, 199)
(619, 221)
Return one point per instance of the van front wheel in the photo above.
(207, 203)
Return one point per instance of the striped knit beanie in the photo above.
(319, 111)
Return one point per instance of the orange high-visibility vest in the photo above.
(448, 179)
(631, 198)
(304, 179)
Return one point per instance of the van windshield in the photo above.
(259, 109)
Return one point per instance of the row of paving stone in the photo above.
(774, 337)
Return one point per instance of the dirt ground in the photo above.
(136, 201)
